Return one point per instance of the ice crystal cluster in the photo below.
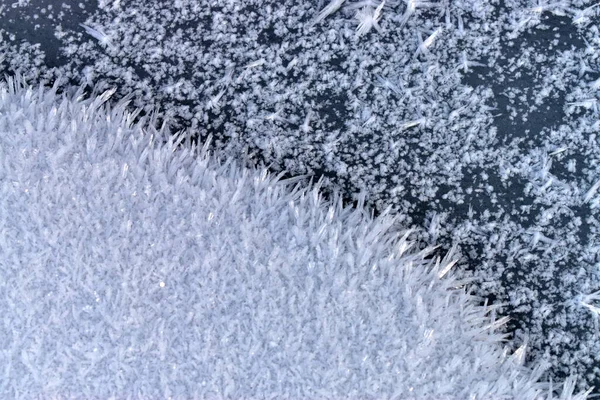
(477, 121)
(134, 268)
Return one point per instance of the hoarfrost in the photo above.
(469, 129)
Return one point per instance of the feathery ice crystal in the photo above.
(130, 266)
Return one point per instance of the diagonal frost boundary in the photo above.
(131, 267)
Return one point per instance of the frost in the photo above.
(136, 267)
(368, 19)
(97, 34)
(332, 7)
(484, 113)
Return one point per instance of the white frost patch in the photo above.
(130, 266)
